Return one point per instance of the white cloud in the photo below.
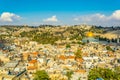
(116, 15)
(100, 19)
(51, 19)
(76, 19)
(8, 17)
(88, 18)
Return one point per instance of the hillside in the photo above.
(111, 34)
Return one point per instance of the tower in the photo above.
(118, 39)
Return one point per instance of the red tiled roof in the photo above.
(62, 57)
(31, 67)
(80, 60)
(35, 53)
(71, 57)
(33, 61)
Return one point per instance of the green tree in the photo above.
(41, 75)
(109, 48)
(69, 74)
(106, 74)
(78, 54)
(117, 73)
(79, 78)
(68, 46)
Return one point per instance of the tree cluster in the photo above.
(104, 73)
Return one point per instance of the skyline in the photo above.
(37, 12)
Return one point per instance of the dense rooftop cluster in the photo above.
(57, 53)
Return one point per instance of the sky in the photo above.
(60, 12)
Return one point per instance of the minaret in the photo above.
(118, 39)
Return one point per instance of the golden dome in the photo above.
(89, 34)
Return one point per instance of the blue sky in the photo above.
(64, 12)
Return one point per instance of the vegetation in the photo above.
(117, 73)
(104, 73)
(41, 75)
(50, 37)
(96, 29)
(1, 63)
(47, 34)
(69, 74)
(44, 38)
(78, 54)
(68, 46)
(109, 48)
